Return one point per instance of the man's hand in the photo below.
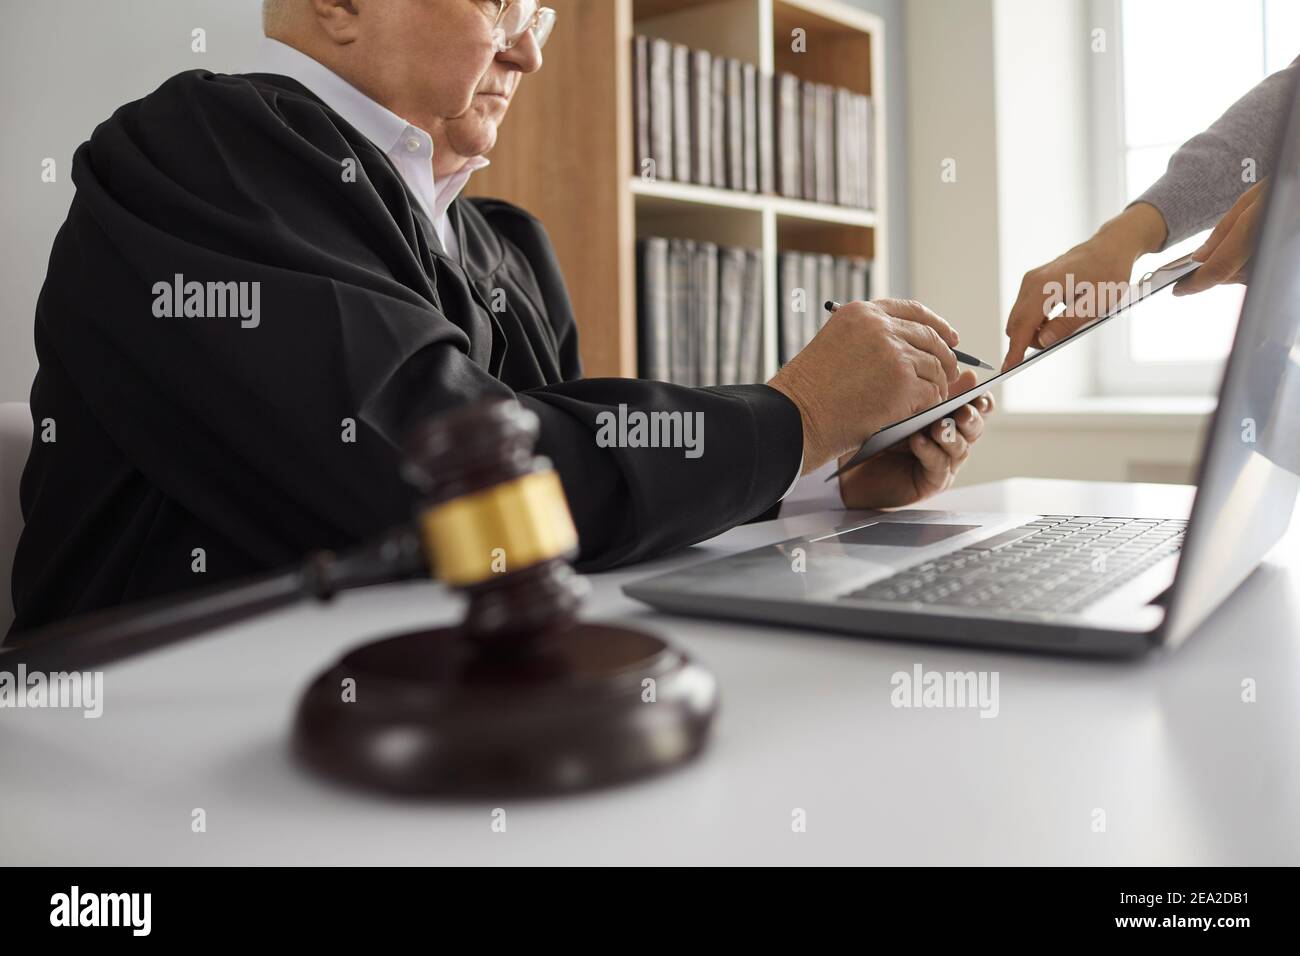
(872, 364)
(922, 465)
(1103, 263)
(1225, 254)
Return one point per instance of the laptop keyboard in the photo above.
(1054, 563)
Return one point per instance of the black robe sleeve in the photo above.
(231, 431)
(631, 503)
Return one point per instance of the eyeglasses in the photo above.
(517, 17)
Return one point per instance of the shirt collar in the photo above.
(449, 187)
(369, 117)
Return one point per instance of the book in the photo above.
(681, 79)
(735, 126)
(793, 299)
(680, 310)
(808, 146)
(861, 280)
(701, 136)
(704, 299)
(788, 136)
(845, 149)
(654, 320)
(749, 124)
(661, 109)
(867, 157)
(861, 148)
(843, 283)
(766, 146)
(824, 101)
(731, 279)
(751, 319)
(641, 102)
(809, 322)
(825, 290)
(858, 157)
(718, 124)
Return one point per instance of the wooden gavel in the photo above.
(517, 698)
(488, 501)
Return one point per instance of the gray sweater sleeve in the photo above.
(1205, 176)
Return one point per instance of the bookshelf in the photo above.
(566, 154)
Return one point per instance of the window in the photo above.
(1174, 67)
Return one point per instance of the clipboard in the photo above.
(1148, 285)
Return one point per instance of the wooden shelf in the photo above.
(824, 17)
(670, 192)
(648, 9)
(581, 185)
(806, 235)
(732, 199)
(821, 212)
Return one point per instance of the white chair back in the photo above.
(15, 443)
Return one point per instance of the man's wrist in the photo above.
(813, 446)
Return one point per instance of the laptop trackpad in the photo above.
(900, 534)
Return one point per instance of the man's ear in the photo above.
(340, 19)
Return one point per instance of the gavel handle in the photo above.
(102, 637)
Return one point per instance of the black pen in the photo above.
(963, 357)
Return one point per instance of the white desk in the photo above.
(1186, 772)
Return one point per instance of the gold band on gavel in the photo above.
(505, 528)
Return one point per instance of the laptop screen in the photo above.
(1250, 469)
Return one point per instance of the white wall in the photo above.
(1044, 162)
(953, 125)
(65, 65)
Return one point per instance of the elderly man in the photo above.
(265, 280)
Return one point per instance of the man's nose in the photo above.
(525, 56)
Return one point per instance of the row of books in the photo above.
(716, 121)
(805, 281)
(699, 312)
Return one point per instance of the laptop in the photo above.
(1076, 584)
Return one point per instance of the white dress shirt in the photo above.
(408, 147)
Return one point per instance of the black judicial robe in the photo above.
(179, 433)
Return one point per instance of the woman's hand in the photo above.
(1225, 254)
(1085, 279)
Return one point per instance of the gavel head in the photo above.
(518, 698)
(495, 521)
